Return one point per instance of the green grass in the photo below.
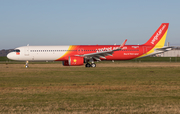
(89, 90)
(4, 59)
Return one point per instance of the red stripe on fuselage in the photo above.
(128, 52)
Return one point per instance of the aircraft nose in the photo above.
(10, 56)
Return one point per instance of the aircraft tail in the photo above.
(158, 38)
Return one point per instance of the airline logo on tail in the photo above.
(158, 34)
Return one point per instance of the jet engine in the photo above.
(74, 61)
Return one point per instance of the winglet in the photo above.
(122, 45)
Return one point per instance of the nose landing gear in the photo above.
(26, 66)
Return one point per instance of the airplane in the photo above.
(76, 55)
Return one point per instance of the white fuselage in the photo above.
(38, 53)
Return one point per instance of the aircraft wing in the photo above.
(102, 54)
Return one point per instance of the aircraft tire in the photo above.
(93, 65)
(88, 65)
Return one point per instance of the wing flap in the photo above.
(97, 59)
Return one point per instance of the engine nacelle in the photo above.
(74, 61)
(65, 63)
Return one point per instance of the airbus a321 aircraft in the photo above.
(76, 55)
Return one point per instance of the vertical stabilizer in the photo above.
(159, 37)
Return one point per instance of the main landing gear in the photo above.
(90, 65)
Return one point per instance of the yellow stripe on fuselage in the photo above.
(69, 48)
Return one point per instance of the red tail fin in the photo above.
(159, 36)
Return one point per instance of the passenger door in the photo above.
(26, 51)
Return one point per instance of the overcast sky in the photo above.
(85, 22)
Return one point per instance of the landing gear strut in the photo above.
(27, 64)
(90, 63)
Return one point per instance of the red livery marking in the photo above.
(17, 53)
(158, 34)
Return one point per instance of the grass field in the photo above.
(108, 88)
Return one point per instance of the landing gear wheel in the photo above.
(88, 65)
(93, 65)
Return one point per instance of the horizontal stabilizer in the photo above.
(163, 49)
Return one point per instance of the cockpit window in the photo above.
(16, 50)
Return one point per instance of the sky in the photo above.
(86, 22)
